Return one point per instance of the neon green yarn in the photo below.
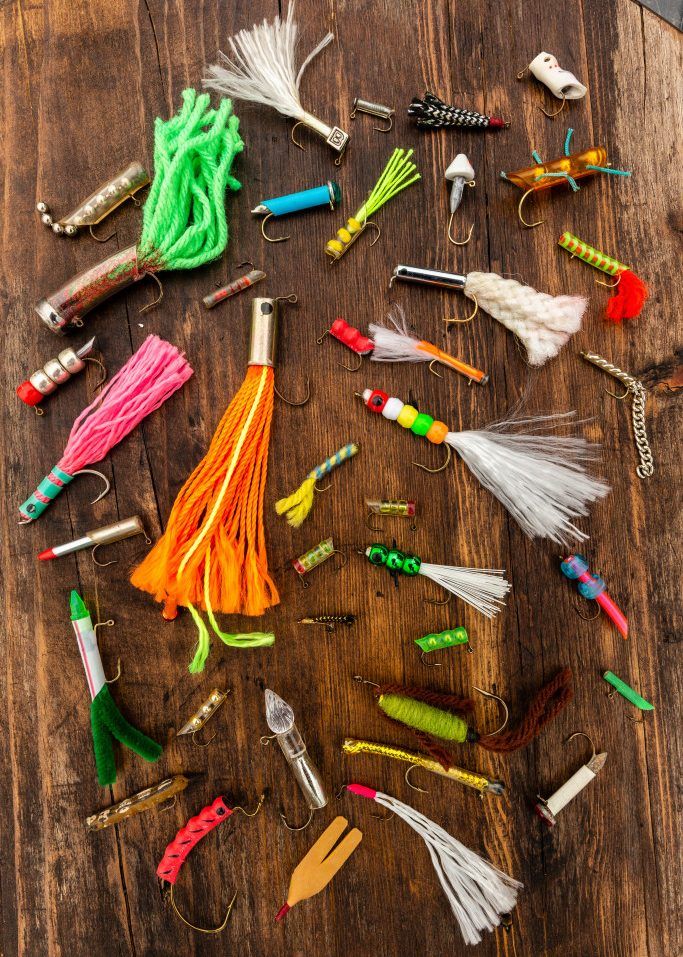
(184, 223)
(424, 717)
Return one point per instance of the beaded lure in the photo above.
(592, 587)
(431, 113)
(297, 505)
(630, 293)
(540, 479)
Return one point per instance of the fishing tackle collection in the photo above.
(212, 557)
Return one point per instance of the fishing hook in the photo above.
(489, 694)
(280, 239)
(519, 212)
(469, 318)
(455, 242)
(441, 468)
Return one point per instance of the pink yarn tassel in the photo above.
(150, 376)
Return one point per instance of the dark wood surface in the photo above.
(82, 84)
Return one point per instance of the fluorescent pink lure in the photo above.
(575, 567)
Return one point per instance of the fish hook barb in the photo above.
(268, 239)
(441, 467)
(519, 212)
(455, 242)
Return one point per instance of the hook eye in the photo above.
(103, 624)
(268, 239)
(265, 739)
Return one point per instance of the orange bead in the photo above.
(438, 432)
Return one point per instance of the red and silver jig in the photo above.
(56, 372)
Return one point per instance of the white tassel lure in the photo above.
(539, 478)
(261, 69)
(478, 892)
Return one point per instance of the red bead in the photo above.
(351, 337)
(28, 394)
(377, 400)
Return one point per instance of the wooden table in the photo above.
(83, 83)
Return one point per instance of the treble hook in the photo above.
(107, 484)
(440, 469)
(519, 212)
(295, 404)
(557, 112)
(455, 242)
(280, 239)
(151, 305)
(489, 694)
(202, 930)
(469, 318)
(408, 781)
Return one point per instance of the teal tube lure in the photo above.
(327, 195)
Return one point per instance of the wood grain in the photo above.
(83, 83)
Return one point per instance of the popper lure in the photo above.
(548, 808)
(478, 893)
(629, 292)
(540, 479)
(482, 588)
(315, 871)
(431, 113)
(297, 505)
(592, 587)
(142, 385)
(108, 197)
(561, 83)
(56, 372)
(566, 169)
(543, 323)
(261, 70)
(183, 221)
(399, 173)
(327, 195)
(106, 720)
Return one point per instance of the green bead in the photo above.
(411, 565)
(395, 560)
(422, 424)
(377, 554)
(446, 639)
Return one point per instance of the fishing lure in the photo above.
(482, 588)
(592, 587)
(470, 779)
(108, 197)
(350, 337)
(327, 195)
(479, 894)
(297, 505)
(104, 535)
(639, 397)
(543, 323)
(327, 856)
(629, 292)
(261, 70)
(280, 720)
(561, 83)
(444, 639)
(399, 173)
(548, 809)
(404, 508)
(626, 691)
(203, 714)
(374, 109)
(539, 478)
(212, 555)
(398, 345)
(141, 801)
(436, 717)
(151, 375)
(459, 174)
(329, 621)
(183, 220)
(232, 288)
(106, 720)
(566, 169)
(313, 558)
(188, 837)
(56, 372)
(431, 113)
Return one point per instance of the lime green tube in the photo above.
(627, 692)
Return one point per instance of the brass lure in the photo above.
(329, 621)
(204, 713)
(142, 801)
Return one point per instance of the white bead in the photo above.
(392, 409)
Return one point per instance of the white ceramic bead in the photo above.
(560, 82)
(392, 409)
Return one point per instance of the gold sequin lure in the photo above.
(630, 292)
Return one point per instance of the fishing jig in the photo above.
(543, 323)
(539, 478)
(561, 83)
(459, 174)
(150, 377)
(592, 587)
(444, 639)
(56, 372)
(330, 622)
(482, 588)
(141, 801)
(297, 505)
(431, 113)
(404, 508)
(104, 535)
(479, 894)
(314, 557)
(350, 337)
(470, 779)
(374, 109)
(399, 173)
(232, 288)
(327, 195)
(188, 837)
(398, 345)
(262, 71)
(436, 717)
(280, 720)
(638, 393)
(548, 809)
(626, 691)
(629, 291)
(315, 871)
(203, 714)
(565, 169)
(99, 204)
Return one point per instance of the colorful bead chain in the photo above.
(393, 559)
(406, 415)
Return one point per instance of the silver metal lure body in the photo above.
(99, 204)
(280, 719)
(56, 372)
(429, 277)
